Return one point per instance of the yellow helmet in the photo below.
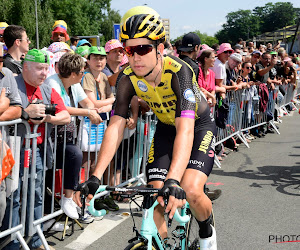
(142, 22)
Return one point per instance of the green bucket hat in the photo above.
(97, 51)
(82, 50)
(38, 56)
(273, 53)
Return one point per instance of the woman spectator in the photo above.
(67, 85)
(206, 79)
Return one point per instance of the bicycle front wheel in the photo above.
(192, 232)
(138, 245)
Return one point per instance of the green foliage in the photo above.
(247, 24)
(83, 17)
(205, 39)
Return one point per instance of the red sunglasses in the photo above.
(141, 50)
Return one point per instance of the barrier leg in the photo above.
(274, 126)
(42, 237)
(294, 105)
(243, 139)
(217, 162)
(22, 241)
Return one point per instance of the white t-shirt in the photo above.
(77, 91)
(219, 70)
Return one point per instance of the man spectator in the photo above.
(31, 88)
(255, 56)
(115, 54)
(233, 80)
(264, 67)
(219, 69)
(189, 50)
(3, 25)
(74, 42)
(10, 109)
(17, 43)
(59, 33)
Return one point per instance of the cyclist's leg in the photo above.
(159, 159)
(194, 179)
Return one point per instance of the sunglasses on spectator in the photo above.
(248, 67)
(256, 56)
(27, 39)
(228, 52)
(141, 50)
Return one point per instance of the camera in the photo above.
(49, 109)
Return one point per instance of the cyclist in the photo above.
(182, 151)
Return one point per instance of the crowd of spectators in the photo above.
(81, 81)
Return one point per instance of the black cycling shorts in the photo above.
(161, 150)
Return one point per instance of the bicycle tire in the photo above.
(138, 245)
(192, 232)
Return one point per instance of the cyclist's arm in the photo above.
(114, 132)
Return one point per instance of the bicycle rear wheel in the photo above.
(138, 245)
(192, 232)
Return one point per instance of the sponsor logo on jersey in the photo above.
(168, 96)
(189, 95)
(142, 86)
(151, 152)
(206, 141)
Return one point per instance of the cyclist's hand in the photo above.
(86, 188)
(175, 196)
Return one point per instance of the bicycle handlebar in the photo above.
(138, 190)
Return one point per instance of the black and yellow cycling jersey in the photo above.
(177, 95)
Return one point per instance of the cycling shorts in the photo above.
(161, 150)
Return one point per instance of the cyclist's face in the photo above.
(141, 64)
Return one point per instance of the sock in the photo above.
(205, 230)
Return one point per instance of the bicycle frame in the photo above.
(148, 229)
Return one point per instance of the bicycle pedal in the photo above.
(179, 232)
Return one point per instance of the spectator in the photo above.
(59, 33)
(3, 25)
(233, 81)
(67, 85)
(176, 46)
(168, 48)
(215, 47)
(255, 56)
(206, 79)
(97, 89)
(17, 43)
(262, 48)
(237, 48)
(251, 46)
(189, 50)
(10, 109)
(83, 51)
(83, 42)
(32, 88)
(223, 54)
(74, 42)
(264, 67)
(115, 54)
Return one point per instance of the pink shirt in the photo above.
(209, 83)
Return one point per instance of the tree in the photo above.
(83, 17)
(246, 23)
(205, 39)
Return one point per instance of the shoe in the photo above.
(86, 219)
(213, 194)
(209, 243)
(112, 206)
(69, 208)
(58, 227)
(43, 248)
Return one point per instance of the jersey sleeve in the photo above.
(125, 92)
(183, 87)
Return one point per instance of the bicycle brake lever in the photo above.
(169, 220)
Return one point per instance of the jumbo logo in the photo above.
(142, 86)
(151, 153)
(206, 141)
(189, 95)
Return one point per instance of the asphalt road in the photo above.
(259, 206)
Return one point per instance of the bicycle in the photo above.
(187, 232)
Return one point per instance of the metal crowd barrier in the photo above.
(290, 94)
(129, 163)
(13, 186)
